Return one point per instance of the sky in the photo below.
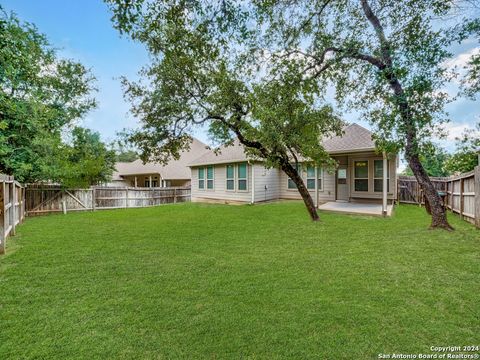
(82, 30)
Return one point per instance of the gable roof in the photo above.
(355, 138)
(175, 169)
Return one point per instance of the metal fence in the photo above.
(45, 199)
(461, 194)
(12, 208)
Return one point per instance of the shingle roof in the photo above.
(355, 138)
(175, 169)
(225, 154)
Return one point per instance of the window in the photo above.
(311, 177)
(291, 184)
(147, 183)
(378, 175)
(361, 175)
(154, 183)
(242, 176)
(210, 177)
(230, 177)
(201, 178)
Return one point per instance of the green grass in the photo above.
(227, 282)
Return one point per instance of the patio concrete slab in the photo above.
(356, 208)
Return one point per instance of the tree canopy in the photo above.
(196, 80)
(41, 97)
(434, 159)
(467, 152)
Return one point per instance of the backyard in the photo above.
(215, 281)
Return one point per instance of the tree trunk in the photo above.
(439, 216)
(437, 210)
(307, 199)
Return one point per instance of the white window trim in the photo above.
(320, 177)
(238, 179)
(234, 178)
(212, 179)
(367, 178)
(381, 178)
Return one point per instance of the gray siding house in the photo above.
(230, 177)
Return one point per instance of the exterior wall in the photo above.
(219, 193)
(371, 194)
(272, 184)
(267, 183)
(326, 193)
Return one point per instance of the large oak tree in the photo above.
(197, 79)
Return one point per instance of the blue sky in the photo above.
(82, 30)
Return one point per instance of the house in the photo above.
(230, 177)
(175, 173)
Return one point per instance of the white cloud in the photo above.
(460, 61)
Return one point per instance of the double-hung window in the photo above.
(311, 177)
(242, 177)
(361, 175)
(210, 177)
(201, 178)
(230, 177)
(378, 176)
(291, 184)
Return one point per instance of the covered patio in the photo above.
(357, 208)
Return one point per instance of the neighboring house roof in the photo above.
(355, 138)
(175, 169)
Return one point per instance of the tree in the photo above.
(433, 159)
(471, 80)
(467, 152)
(124, 151)
(196, 80)
(40, 97)
(91, 162)
(384, 59)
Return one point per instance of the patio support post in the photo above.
(135, 181)
(253, 183)
(385, 184)
(150, 181)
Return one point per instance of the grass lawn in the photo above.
(227, 282)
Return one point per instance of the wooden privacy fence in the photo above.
(461, 194)
(43, 199)
(12, 208)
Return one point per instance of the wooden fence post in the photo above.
(175, 195)
(461, 197)
(3, 238)
(126, 197)
(93, 198)
(477, 196)
(13, 208)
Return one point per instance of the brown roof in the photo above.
(354, 139)
(175, 169)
